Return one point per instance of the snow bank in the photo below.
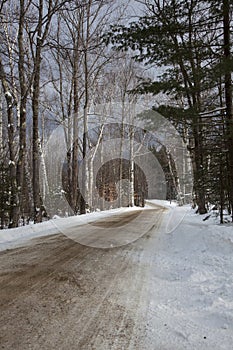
(192, 302)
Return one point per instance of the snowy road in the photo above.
(58, 294)
(171, 289)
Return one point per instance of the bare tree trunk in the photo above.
(85, 130)
(14, 202)
(1, 122)
(91, 169)
(131, 177)
(86, 32)
(74, 187)
(198, 173)
(41, 32)
(44, 180)
(35, 109)
(23, 102)
(228, 95)
(122, 131)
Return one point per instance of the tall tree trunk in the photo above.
(198, 171)
(35, 109)
(199, 176)
(132, 170)
(122, 132)
(228, 95)
(1, 121)
(14, 202)
(86, 32)
(91, 168)
(41, 33)
(23, 102)
(85, 131)
(74, 187)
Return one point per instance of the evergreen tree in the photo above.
(186, 39)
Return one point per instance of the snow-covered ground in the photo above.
(191, 290)
(193, 284)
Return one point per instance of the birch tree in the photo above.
(81, 55)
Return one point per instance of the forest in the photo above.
(106, 103)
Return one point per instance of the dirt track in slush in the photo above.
(58, 294)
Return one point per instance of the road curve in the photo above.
(58, 294)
